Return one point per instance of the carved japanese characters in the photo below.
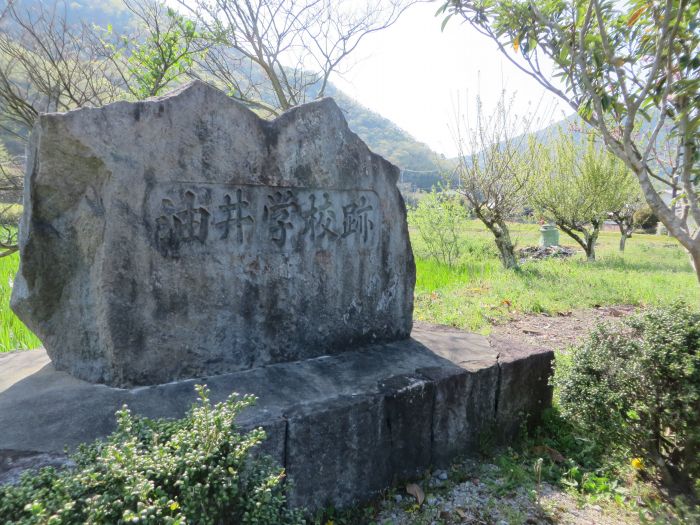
(184, 236)
(243, 218)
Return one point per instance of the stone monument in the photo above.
(185, 236)
(176, 238)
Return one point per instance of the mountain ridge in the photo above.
(417, 161)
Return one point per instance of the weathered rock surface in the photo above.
(185, 236)
(344, 426)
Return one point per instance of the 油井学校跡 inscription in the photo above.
(195, 218)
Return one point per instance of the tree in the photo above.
(576, 187)
(50, 65)
(631, 200)
(439, 217)
(163, 49)
(494, 177)
(10, 195)
(630, 69)
(47, 65)
(275, 54)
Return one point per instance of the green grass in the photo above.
(13, 334)
(478, 291)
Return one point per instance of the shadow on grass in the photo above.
(622, 264)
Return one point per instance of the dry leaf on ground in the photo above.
(417, 492)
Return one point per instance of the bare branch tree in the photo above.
(275, 54)
(494, 169)
(11, 183)
(161, 50)
(46, 66)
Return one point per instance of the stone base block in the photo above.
(344, 426)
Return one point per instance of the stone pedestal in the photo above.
(344, 426)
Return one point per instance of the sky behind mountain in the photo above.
(417, 75)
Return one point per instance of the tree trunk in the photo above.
(504, 244)
(507, 253)
(626, 229)
(590, 251)
(591, 239)
(695, 261)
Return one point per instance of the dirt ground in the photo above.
(479, 501)
(561, 330)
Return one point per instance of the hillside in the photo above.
(381, 135)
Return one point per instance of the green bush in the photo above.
(439, 217)
(636, 389)
(199, 469)
(645, 219)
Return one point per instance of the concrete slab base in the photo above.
(344, 427)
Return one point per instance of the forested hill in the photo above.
(383, 136)
(380, 134)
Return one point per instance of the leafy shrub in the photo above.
(645, 219)
(438, 218)
(199, 469)
(636, 389)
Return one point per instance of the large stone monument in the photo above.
(185, 236)
(182, 237)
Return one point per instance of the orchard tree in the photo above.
(630, 69)
(494, 169)
(576, 187)
(623, 212)
(439, 217)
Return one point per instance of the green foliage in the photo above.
(630, 69)
(10, 214)
(199, 469)
(646, 219)
(151, 64)
(596, 48)
(438, 218)
(393, 143)
(578, 185)
(637, 389)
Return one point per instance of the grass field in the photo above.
(477, 291)
(13, 334)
